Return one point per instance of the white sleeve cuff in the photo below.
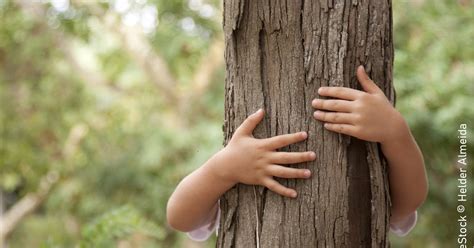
(204, 232)
(403, 227)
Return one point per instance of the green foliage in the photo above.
(134, 149)
(434, 64)
(117, 224)
(33, 123)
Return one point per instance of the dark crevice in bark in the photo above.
(264, 200)
(263, 78)
(359, 194)
(264, 87)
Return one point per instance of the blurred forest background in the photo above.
(106, 105)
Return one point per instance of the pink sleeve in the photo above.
(204, 232)
(403, 227)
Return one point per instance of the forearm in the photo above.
(408, 182)
(194, 200)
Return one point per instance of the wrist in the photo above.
(218, 168)
(400, 135)
(398, 132)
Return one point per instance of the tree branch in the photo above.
(139, 50)
(202, 79)
(88, 76)
(208, 65)
(31, 201)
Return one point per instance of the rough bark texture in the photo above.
(278, 53)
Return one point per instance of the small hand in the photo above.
(365, 115)
(255, 161)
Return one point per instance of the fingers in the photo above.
(367, 84)
(351, 94)
(286, 172)
(278, 188)
(341, 128)
(285, 139)
(332, 105)
(292, 157)
(340, 92)
(334, 117)
(249, 124)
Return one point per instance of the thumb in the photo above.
(367, 84)
(249, 124)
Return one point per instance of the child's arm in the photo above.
(370, 116)
(245, 159)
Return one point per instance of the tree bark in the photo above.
(278, 53)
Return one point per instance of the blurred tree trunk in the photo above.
(278, 53)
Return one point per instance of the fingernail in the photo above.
(320, 89)
(313, 155)
(304, 134)
(307, 173)
(315, 101)
(365, 73)
(293, 194)
(317, 113)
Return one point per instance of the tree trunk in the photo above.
(278, 53)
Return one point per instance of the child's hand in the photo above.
(249, 160)
(365, 115)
